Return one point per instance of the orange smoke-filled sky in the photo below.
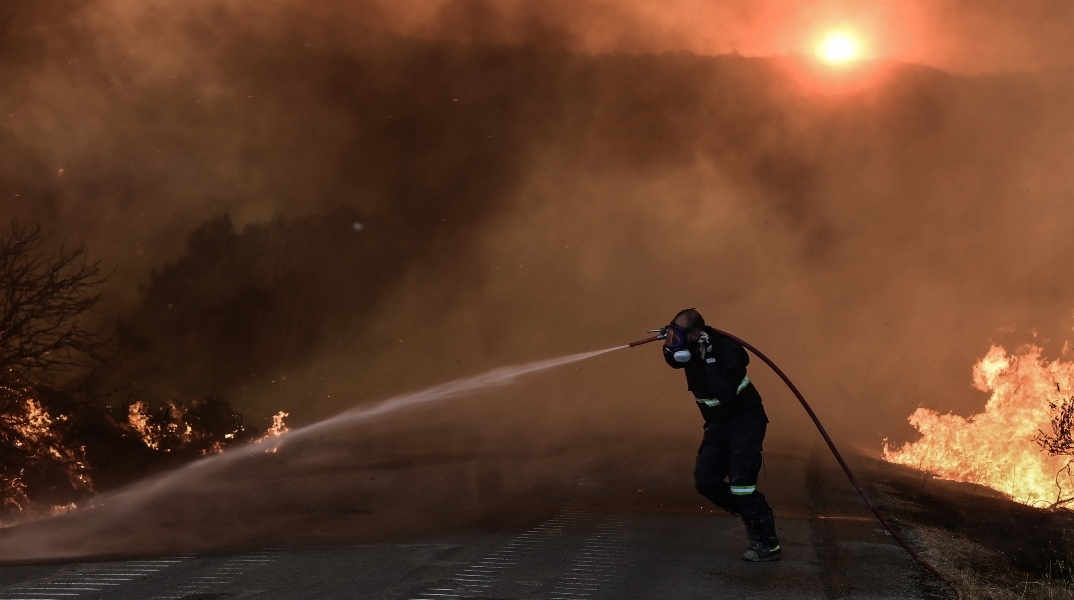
(893, 229)
(952, 35)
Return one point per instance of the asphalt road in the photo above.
(596, 545)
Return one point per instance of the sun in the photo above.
(838, 48)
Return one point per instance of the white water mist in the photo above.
(444, 391)
(143, 492)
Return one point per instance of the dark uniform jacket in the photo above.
(716, 375)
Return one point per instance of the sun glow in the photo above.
(838, 48)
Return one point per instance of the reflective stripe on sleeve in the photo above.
(742, 386)
(710, 402)
(743, 490)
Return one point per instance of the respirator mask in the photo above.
(676, 341)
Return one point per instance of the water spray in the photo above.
(133, 496)
(662, 333)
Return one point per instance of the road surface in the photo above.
(598, 545)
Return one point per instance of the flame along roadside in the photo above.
(996, 447)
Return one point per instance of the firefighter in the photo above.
(729, 458)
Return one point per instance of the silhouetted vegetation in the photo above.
(237, 305)
(1060, 442)
(43, 295)
(56, 446)
(241, 305)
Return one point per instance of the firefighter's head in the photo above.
(684, 329)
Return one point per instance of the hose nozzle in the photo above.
(660, 334)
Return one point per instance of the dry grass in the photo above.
(994, 549)
(983, 573)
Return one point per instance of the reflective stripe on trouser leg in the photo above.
(745, 443)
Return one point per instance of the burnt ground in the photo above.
(993, 547)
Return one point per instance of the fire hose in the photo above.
(662, 333)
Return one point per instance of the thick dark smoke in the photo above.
(432, 189)
(518, 200)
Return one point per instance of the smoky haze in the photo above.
(531, 182)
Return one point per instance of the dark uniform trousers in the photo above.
(732, 451)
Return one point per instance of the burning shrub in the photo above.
(999, 447)
(196, 427)
(36, 461)
(56, 449)
(278, 427)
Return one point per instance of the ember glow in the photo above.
(996, 448)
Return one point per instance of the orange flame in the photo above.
(36, 442)
(996, 448)
(278, 427)
(140, 423)
(15, 496)
(33, 428)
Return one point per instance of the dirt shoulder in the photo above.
(992, 547)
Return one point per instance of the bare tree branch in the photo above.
(42, 297)
(1060, 442)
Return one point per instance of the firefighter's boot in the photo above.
(764, 545)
